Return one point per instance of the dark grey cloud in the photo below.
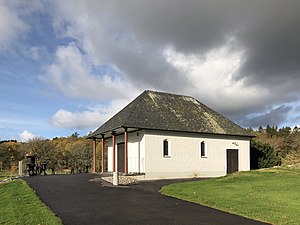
(267, 30)
(275, 117)
(272, 44)
(131, 36)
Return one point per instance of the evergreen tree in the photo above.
(262, 155)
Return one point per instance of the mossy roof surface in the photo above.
(170, 112)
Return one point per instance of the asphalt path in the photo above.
(86, 199)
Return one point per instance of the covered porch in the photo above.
(118, 151)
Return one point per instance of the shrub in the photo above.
(262, 155)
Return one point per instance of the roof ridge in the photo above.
(168, 93)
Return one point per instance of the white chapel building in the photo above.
(161, 135)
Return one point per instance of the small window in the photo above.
(166, 148)
(203, 149)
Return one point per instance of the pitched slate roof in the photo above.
(163, 111)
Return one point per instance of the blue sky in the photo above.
(67, 66)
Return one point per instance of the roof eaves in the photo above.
(195, 132)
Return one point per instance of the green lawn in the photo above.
(20, 205)
(269, 195)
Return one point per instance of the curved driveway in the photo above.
(86, 199)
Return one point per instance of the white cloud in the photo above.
(36, 52)
(11, 26)
(15, 21)
(214, 77)
(79, 120)
(26, 135)
(91, 118)
(72, 73)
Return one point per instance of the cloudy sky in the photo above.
(68, 65)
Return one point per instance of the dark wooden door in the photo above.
(232, 160)
(120, 148)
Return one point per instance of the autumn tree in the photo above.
(10, 153)
(45, 151)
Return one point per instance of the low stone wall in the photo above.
(122, 180)
(7, 180)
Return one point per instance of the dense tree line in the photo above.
(271, 146)
(66, 154)
(275, 146)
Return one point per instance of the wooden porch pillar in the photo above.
(114, 151)
(94, 155)
(125, 151)
(102, 154)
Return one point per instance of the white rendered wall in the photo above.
(109, 155)
(185, 159)
(136, 152)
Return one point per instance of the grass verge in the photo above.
(7, 174)
(20, 205)
(269, 195)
